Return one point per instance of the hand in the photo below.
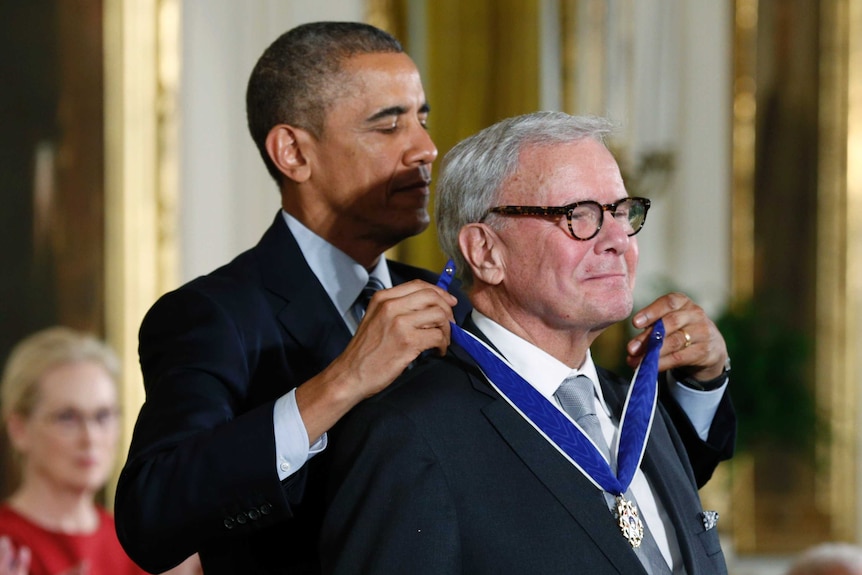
(399, 324)
(12, 563)
(701, 355)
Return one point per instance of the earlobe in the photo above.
(484, 253)
(286, 147)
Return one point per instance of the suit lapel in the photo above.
(302, 305)
(581, 499)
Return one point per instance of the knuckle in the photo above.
(677, 299)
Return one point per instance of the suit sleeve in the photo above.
(719, 446)
(201, 466)
(390, 509)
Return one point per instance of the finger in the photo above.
(5, 550)
(387, 342)
(659, 309)
(675, 342)
(413, 287)
(393, 305)
(680, 339)
(24, 557)
(670, 308)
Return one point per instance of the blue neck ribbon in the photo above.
(557, 427)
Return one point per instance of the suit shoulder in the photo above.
(435, 386)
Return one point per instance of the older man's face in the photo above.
(552, 279)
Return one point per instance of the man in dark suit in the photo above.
(485, 461)
(217, 461)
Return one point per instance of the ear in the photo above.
(287, 146)
(16, 428)
(484, 252)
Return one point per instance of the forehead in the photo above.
(378, 80)
(76, 384)
(559, 174)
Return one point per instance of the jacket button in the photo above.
(253, 514)
(228, 522)
(266, 508)
(242, 518)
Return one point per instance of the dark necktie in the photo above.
(361, 303)
(577, 397)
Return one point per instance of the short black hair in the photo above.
(295, 79)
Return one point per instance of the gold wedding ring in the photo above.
(687, 338)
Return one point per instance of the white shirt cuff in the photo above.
(699, 406)
(291, 439)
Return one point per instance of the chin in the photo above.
(616, 314)
(408, 228)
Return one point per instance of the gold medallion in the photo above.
(629, 521)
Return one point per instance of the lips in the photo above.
(412, 186)
(606, 276)
(417, 180)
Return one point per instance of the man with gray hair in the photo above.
(516, 453)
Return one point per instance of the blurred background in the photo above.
(126, 169)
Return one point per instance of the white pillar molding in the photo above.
(228, 198)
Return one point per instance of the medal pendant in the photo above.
(629, 521)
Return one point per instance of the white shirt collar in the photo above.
(339, 274)
(540, 369)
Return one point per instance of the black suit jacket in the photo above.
(439, 475)
(215, 355)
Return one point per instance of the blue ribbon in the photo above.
(565, 434)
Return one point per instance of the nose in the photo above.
(613, 236)
(421, 149)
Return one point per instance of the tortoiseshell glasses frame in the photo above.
(585, 218)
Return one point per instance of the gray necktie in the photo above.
(361, 304)
(577, 397)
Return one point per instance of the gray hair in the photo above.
(474, 171)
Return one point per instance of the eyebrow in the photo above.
(395, 111)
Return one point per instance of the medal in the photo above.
(629, 520)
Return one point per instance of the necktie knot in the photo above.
(361, 304)
(577, 398)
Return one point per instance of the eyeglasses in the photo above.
(585, 218)
(70, 420)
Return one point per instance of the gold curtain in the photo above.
(797, 86)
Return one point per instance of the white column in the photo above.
(227, 198)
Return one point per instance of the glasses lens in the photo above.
(633, 213)
(585, 220)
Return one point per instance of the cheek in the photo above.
(110, 442)
(51, 448)
(632, 256)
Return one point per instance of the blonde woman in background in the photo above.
(60, 408)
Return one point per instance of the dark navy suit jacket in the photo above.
(439, 475)
(215, 355)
